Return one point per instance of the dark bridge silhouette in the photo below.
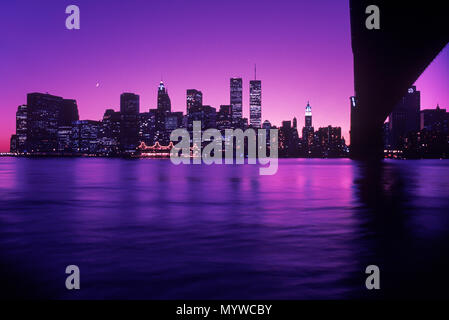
(388, 61)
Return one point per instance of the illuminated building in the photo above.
(308, 130)
(109, 133)
(329, 142)
(224, 118)
(163, 100)
(194, 99)
(405, 117)
(434, 120)
(206, 114)
(21, 128)
(173, 121)
(255, 103)
(64, 139)
(84, 136)
(236, 100)
(45, 114)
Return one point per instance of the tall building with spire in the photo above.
(308, 130)
(236, 100)
(163, 100)
(308, 115)
(255, 102)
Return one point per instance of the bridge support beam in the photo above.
(388, 60)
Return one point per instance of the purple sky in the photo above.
(302, 50)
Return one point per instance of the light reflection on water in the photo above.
(149, 229)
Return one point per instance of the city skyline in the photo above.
(304, 55)
(50, 125)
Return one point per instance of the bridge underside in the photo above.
(388, 61)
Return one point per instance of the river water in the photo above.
(148, 229)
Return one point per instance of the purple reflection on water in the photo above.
(149, 229)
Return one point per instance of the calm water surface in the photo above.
(148, 229)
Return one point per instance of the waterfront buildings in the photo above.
(50, 125)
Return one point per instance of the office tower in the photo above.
(405, 117)
(206, 114)
(287, 143)
(225, 117)
(255, 103)
(287, 125)
(69, 112)
(236, 100)
(329, 135)
(13, 144)
(84, 136)
(210, 117)
(434, 120)
(329, 142)
(173, 120)
(266, 125)
(21, 128)
(129, 128)
(195, 110)
(163, 100)
(157, 126)
(244, 124)
(432, 140)
(45, 114)
(171, 123)
(308, 130)
(109, 134)
(194, 99)
(146, 128)
(65, 139)
(295, 133)
(308, 117)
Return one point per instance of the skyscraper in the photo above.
(109, 133)
(21, 128)
(163, 100)
(224, 117)
(255, 103)
(308, 130)
(329, 142)
(85, 136)
(405, 117)
(434, 120)
(69, 112)
(194, 99)
(236, 100)
(45, 114)
(129, 126)
(308, 116)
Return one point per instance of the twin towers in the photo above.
(195, 100)
(255, 102)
